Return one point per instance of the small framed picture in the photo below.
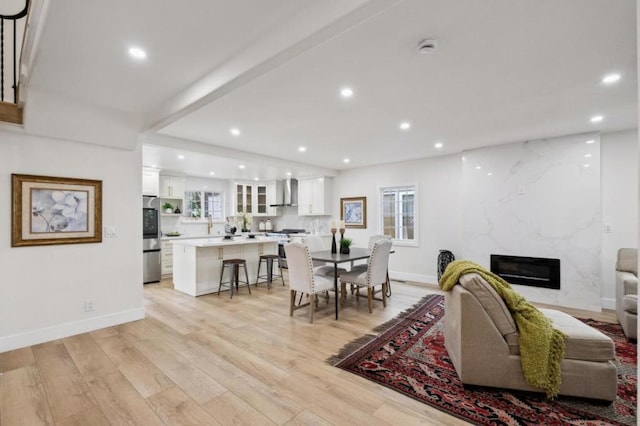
(53, 210)
(353, 211)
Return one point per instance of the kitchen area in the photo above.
(194, 214)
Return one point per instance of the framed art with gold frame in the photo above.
(353, 211)
(55, 210)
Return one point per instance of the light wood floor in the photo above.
(209, 361)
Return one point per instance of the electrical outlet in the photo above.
(110, 232)
(89, 305)
(607, 228)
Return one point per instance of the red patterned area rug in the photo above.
(410, 357)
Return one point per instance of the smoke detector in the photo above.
(427, 46)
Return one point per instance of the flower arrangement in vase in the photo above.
(345, 243)
(244, 221)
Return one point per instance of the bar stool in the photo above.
(234, 273)
(269, 258)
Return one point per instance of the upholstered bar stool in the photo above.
(268, 278)
(234, 274)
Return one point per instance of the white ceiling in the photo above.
(504, 71)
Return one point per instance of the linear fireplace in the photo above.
(531, 271)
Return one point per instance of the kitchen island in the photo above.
(197, 262)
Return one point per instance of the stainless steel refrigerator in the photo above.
(151, 259)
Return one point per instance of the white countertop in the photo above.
(193, 237)
(221, 242)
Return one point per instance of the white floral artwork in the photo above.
(58, 211)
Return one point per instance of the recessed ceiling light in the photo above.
(597, 118)
(611, 78)
(587, 165)
(346, 160)
(587, 156)
(154, 166)
(234, 131)
(302, 148)
(241, 166)
(137, 53)
(590, 141)
(288, 173)
(205, 186)
(478, 167)
(405, 125)
(489, 174)
(346, 92)
(180, 157)
(212, 173)
(438, 145)
(256, 179)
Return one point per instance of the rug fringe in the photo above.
(350, 347)
(356, 344)
(402, 315)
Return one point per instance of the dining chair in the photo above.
(303, 280)
(372, 240)
(374, 275)
(314, 243)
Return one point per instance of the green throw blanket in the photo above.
(541, 345)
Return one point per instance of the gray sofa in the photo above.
(481, 338)
(627, 291)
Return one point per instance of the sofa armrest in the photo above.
(626, 283)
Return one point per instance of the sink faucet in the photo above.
(209, 225)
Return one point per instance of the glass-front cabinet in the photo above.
(244, 203)
(255, 199)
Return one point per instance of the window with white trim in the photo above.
(399, 212)
(202, 204)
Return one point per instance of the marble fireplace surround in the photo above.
(538, 198)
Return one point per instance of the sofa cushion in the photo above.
(491, 302)
(582, 342)
(627, 260)
(630, 303)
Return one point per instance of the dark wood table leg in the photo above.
(335, 285)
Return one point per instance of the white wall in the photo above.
(538, 199)
(43, 289)
(619, 203)
(438, 183)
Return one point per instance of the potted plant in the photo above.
(168, 208)
(344, 245)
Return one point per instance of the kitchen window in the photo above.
(398, 206)
(202, 204)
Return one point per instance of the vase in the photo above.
(444, 258)
(168, 210)
(345, 250)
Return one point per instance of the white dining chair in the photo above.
(314, 243)
(372, 240)
(303, 280)
(374, 275)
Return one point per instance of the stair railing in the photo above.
(10, 19)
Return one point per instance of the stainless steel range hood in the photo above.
(286, 193)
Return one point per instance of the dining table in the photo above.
(355, 253)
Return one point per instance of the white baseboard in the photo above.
(417, 278)
(41, 335)
(608, 303)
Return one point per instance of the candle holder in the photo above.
(341, 234)
(334, 249)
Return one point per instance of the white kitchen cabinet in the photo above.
(315, 196)
(166, 257)
(243, 198)
(171, 186)
(150, 182)
(255, 199)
